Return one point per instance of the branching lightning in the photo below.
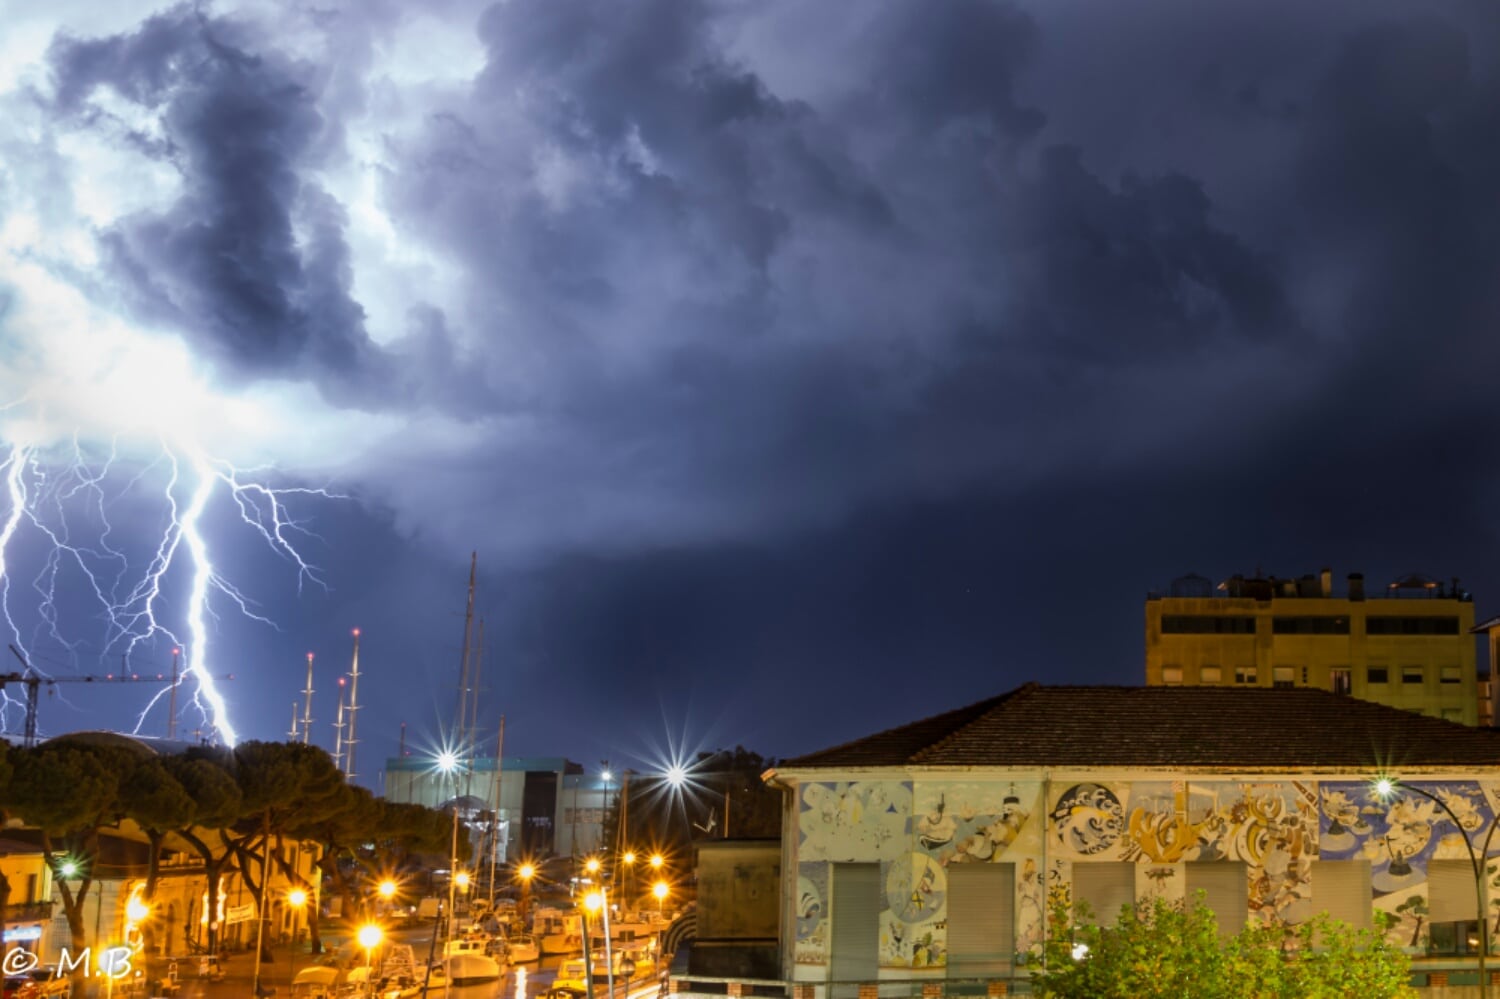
(125, 544)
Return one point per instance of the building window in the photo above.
(1206, 624)
(1451, 674)
(1283, 676)
(1309, 625)
(1171, 674)
(1413, 674)
(1210, 674)
(1244, 674)
(1411, 625)
(1375, 674)
(1338, 680)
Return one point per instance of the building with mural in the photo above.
(933, 850)
(1409, 645)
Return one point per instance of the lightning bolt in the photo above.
(60, 518)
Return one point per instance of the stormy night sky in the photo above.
(795, 369)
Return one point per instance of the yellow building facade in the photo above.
(1408, 645)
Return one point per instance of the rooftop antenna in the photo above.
(307, 693)
(350, 740)
(172, 697)
(338, 733)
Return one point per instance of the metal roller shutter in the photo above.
(1226, 891)
(1450, 891)
(981, 919)
(1106, 887)
(1342, 889)
(854, 933)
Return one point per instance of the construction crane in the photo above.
(35, 681)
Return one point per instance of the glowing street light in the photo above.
(661, 890)
(369, 937)
(592, 865)
(296, 898)
(387, 889)
(461, 879)
(656, 861)
(677, 775)
(1387, 787)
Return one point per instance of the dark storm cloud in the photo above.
(838, 343)
(250, 262)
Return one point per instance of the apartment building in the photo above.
(1408, 645)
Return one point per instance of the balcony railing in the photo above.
(20, 912)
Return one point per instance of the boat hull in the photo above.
(471, 969)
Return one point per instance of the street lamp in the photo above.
(1385, 788)
(369, 938)
(597, 901)
(297, 899)
(525, 872)
(660, 890)
(447, 763)
(656, 861)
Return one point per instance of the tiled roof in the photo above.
(1258, 728)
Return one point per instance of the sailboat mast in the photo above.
(461, 719)
(495, 807)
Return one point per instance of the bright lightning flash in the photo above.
(60, 502)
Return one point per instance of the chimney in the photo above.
(1356, 586)
(1327, 581)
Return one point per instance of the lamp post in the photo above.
(599, 899)
(297, 899)
(447, 763)
(525, 872)
(369, 938)
(1385, 788)
(660, 890)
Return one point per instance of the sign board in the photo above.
(239, 913)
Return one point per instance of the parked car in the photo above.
(49, 981)
(18, 987)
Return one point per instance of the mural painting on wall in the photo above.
(972, 822)
(1401, 835)
(857, 821)
(812, 912)
(981, 822)
(1270, 826)
(912, 931)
